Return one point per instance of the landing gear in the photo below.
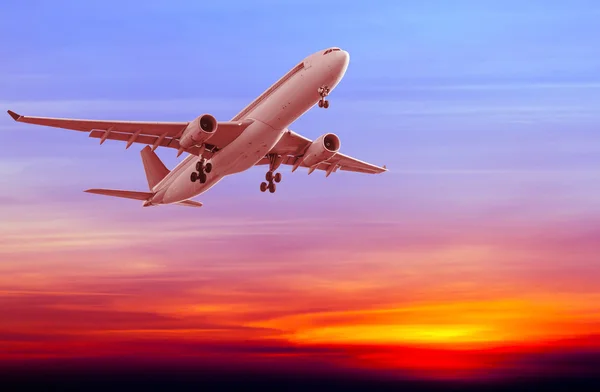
(323, 103)
(270, 186)
(274, 162)
(195, 176)
(323, 92)
(202, 169)
(271, 180)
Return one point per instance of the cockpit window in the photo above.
(331, 50)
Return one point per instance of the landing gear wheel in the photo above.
(277, 177)
(199, 166)
(202, 178)
(272, 187)
(208, 167)
(263, 186)
(194, 176)
(323, 93)
(269, 176)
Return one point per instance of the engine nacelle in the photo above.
(198, 131)
(325, 147)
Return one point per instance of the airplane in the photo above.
(258, 135)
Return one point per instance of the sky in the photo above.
(475, 256)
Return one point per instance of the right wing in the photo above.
(165, 134)
(292, 146)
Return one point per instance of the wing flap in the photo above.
(124, 137)
(143, 139)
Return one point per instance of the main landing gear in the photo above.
(272, 178)
(323, 92)
(202, 169)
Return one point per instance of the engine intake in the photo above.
(198, 131)
(322, 149)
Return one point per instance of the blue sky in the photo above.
(464, 100)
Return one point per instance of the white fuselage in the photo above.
(273, 111)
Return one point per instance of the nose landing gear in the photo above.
(202, 169)
(323, 92)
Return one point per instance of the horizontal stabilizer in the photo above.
(125, 194)
(189, 203)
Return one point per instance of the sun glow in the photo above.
(391, 334)
(468, 323)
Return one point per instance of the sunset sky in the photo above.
(476, 255)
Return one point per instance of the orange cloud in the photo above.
(377, 296)
(454, 324)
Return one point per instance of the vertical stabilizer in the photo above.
(155, 169)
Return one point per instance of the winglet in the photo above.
(14, 115)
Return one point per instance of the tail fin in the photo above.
(125, 194)
(155, 169)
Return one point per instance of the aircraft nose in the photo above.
(334, 64)
(342, 58)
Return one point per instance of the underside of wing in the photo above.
(292, 148)
(156, 134)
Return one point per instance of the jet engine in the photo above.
(325, 147)
(198, 131)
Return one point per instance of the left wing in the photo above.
(292, 146)
(165, 134)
